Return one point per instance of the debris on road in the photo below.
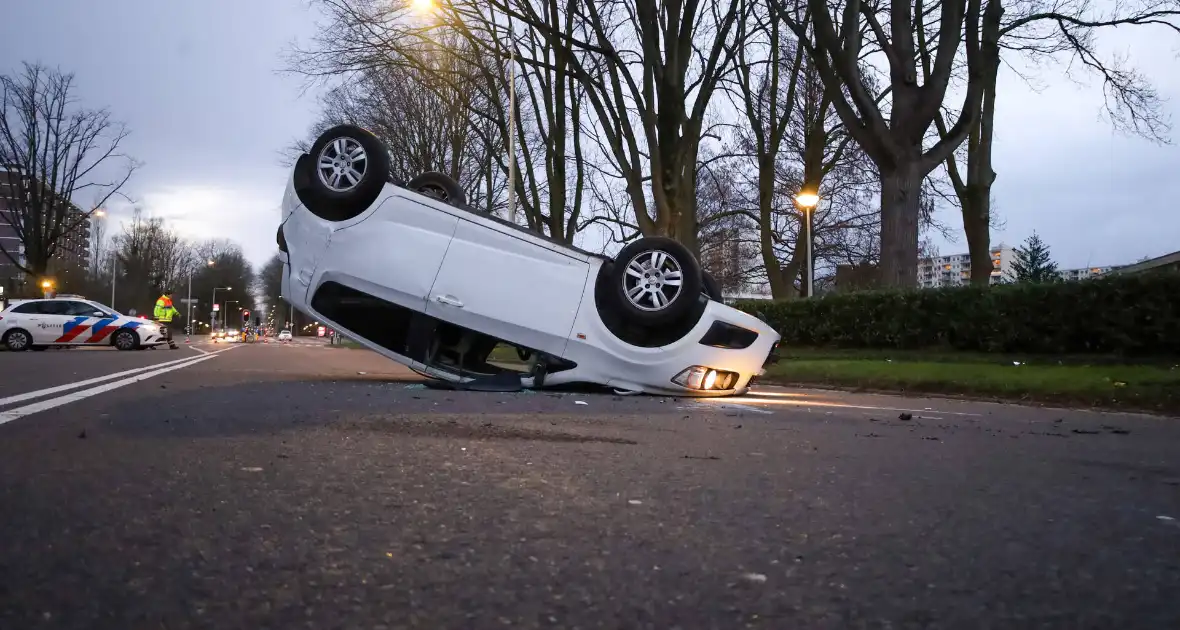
(905, 416)
(634, 502)
(580, 402)
(757, 578)
(1086, 432)
(701, 457)
(251, 469)
(1165, 518)
(415, 386)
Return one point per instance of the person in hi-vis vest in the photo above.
(164, 313)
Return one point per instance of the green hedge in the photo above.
(1124, 315)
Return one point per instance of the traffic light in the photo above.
(257, 321)
(245, 317)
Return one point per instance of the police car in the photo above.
(39, 324)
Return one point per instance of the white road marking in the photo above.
(749, 400)
(63, 388)
(20, 412)
(40, 393)
(199, 350)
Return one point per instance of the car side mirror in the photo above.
(98, 314)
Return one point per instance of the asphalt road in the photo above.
(288, 487)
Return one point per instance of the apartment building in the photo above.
(73, 249)
(955, 270)
(1083, 273)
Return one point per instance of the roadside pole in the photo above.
(188, 323)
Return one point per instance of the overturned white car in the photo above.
(412, 272)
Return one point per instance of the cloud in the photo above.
(247, 215)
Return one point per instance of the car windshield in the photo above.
(105, 309)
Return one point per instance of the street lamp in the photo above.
(424, 7)
(213, 315)
(808, 201)
(100, 213)
(191, 329)
(225, 313)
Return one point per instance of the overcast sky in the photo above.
(199, 85)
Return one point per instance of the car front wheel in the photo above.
(656, 281)
(125, 340)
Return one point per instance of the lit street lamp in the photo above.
(426, 7)
(808, 201)
(213, 315)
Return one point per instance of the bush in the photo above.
(1124, 315)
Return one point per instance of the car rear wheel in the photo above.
(344, 172)
(656, 281)
(18, 340)
(125, 340)
(438, 186)
(709, 287)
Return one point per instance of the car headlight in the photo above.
(701, 377)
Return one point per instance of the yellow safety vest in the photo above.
(164, 309)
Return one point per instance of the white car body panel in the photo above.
(535, 301)
(469, 270)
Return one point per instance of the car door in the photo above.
(394, 253)
(69, 320)
(27, 316)
(51, 320)
(508, 286)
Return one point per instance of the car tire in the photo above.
(125, 340)
(710, 288)
(645, 293)
(18, 340)
(438, 186)
(339, 155)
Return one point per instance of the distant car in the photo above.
(41, 324)
(285, 335)
(415, 274)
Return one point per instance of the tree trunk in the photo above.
(977, 201)
(977, 226)
(900, 206)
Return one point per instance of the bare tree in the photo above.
(151, 258)
(834, 40)
(650, 69)
(457, 61)
(1043, 31)
(54, 151)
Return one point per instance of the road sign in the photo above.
(216, 307)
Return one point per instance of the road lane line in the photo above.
(751, 400)
(20, 412)
(40, 393)
(199, 350)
